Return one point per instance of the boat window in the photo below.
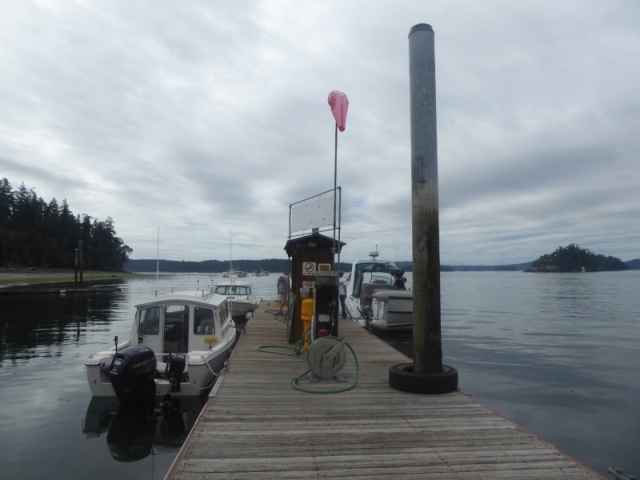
(359, 280)
(233, 290)
(149, 321)
(176, 327)
(377, 273)
(381, 280)
(203, 323)
(223, 312)
(176, 313)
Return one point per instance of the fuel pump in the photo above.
(326, 304)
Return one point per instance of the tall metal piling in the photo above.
(426, 374)
(427, 342)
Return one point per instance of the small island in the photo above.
(572, 258)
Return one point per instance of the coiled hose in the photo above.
(297, 349)
(294, 382)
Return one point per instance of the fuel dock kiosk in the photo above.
(313, 279)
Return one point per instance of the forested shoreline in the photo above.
(572, 258)
(36, 233)
(39, 234)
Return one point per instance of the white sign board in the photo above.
(308, 269)
(312, 213)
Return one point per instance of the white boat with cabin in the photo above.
(234, 272)
(242, 301)
(377, 297)
(178, 344)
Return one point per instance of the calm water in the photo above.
(554, 353)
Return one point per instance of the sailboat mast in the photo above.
(158, 255)
(230, 256)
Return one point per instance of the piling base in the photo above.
(402, 377)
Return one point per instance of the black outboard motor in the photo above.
(367, 314)
(132, 372)
(175, 369)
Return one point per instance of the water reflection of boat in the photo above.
(377, 297)
(178, 344)
(134, 433)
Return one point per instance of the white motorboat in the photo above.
(242, 301)
(178, 344)
(234, 272)
(377, 297)
(261, 273)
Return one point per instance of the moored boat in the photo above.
(242, 301)
(177, 345)
(234, 272)
(377, 297)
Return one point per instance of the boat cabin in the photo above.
(369, 276)
(179, 324)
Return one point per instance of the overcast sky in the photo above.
(205, 120)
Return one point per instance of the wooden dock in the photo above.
(259, 427)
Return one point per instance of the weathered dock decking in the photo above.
(258, 426)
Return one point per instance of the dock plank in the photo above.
(258, 426)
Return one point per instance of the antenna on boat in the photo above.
(374, 254)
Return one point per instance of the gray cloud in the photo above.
(206, 120)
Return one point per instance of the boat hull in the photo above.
(202, 369)
(241, 310)
(377, 298)
(392, 310)
(389, 310)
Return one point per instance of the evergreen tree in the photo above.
(38, 234)
(572, 258)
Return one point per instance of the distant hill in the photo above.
(514, 267)
(278, 265)
(206, 266)
(634, 264)
(573, 258)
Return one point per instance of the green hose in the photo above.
(295, 385)
(296, 350)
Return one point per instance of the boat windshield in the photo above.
(380, 273)
(233, 290)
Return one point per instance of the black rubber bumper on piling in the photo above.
(402, 377)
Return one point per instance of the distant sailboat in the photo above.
(232, 271)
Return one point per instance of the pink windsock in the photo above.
(339, 105)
